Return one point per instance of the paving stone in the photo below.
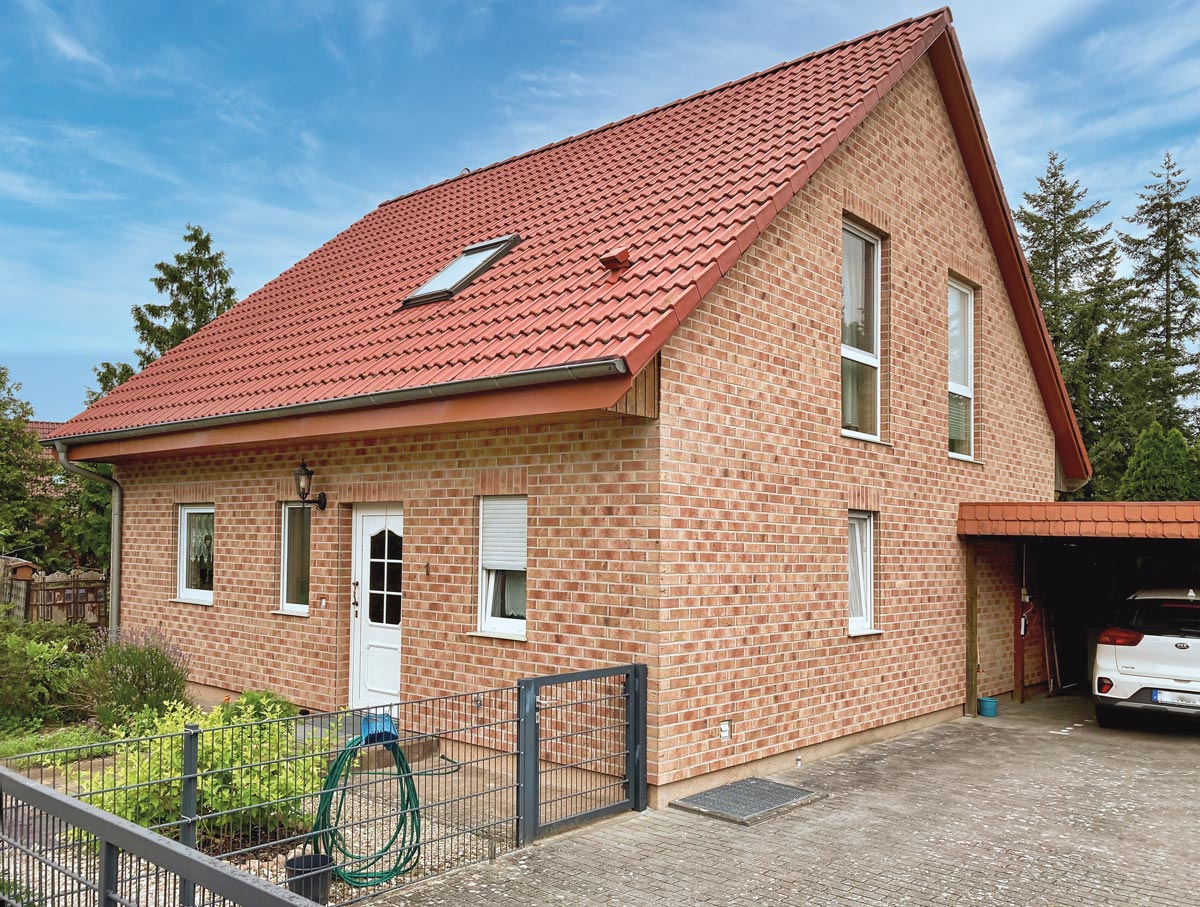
(991, 812)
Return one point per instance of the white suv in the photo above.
(1150, 661)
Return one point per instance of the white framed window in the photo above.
(294, 558)
(195, 553)
(862, 571)
(860, 333)
(961, 336)
(503, 540)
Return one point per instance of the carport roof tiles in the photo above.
(1080, 519)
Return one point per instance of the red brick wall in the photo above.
(710, 544)
(997, 572)
(757, 479)
(591, 534)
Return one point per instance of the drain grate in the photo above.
(747, 801)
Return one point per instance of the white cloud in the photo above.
(22, 187)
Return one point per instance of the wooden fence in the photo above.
(80, 596)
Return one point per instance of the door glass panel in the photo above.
(385, 577)
(392, 615)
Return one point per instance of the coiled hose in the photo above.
(403, 848)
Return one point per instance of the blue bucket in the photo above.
(987, 706)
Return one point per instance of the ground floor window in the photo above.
(195, 555)
(862, 571)
(503, 539)
(294, 558)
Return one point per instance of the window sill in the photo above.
(496, 634)
(962, 458)
(869, 439)
(189, 601)
(855, 633)
(290, 612)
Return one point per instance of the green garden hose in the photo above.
(402, 850)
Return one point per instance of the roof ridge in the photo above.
(943, 11)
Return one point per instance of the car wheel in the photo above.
(1108, 717)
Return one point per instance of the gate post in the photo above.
(527, 762)
(187, 831)
(635, 736)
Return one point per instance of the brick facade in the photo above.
(757, 479)
(710, 542)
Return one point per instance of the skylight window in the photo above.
(473, 261)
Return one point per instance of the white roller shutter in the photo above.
(503, 533)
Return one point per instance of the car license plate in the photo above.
(1168, 697)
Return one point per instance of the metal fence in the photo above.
(382, 796)
(58, 852)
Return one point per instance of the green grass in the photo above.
(20, 744)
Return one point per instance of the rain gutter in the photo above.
(581, 371)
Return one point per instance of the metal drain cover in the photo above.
(747, 801)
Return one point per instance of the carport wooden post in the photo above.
(972, 632)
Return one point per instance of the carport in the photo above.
(1070, 566)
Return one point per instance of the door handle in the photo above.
(354, 596)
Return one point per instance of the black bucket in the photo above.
(309, 876)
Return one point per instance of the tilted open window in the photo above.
(473, 261)
(503, 542)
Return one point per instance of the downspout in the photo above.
(114, 556)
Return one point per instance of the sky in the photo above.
(276, 124)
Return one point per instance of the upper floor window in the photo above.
(962, 370)
(860, 333)
(195, 553)
(503, 539)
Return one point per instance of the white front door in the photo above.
(375, 605)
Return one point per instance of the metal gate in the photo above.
(582, 748)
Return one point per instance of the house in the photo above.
(703, 388)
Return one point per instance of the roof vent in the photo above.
(615, 259)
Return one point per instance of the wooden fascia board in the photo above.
(946, 58)
(553, 399)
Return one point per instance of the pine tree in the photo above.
(1161, 468)
(197, 286)
(1062, 249)
(1165, 267)
(1074, 267)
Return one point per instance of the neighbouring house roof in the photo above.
(682, 190)
(1081, 519)
(45, 429)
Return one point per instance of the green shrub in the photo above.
(35, 680)
(256, 705)
(57, 747)
(76, 637)
(128, 673)
(39, 662)
(257, 773)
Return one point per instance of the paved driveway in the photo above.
(1039, 806)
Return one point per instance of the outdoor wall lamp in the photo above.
(304, 486)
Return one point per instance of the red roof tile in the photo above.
(683, 187)
(1078, 519)
(44, 429)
